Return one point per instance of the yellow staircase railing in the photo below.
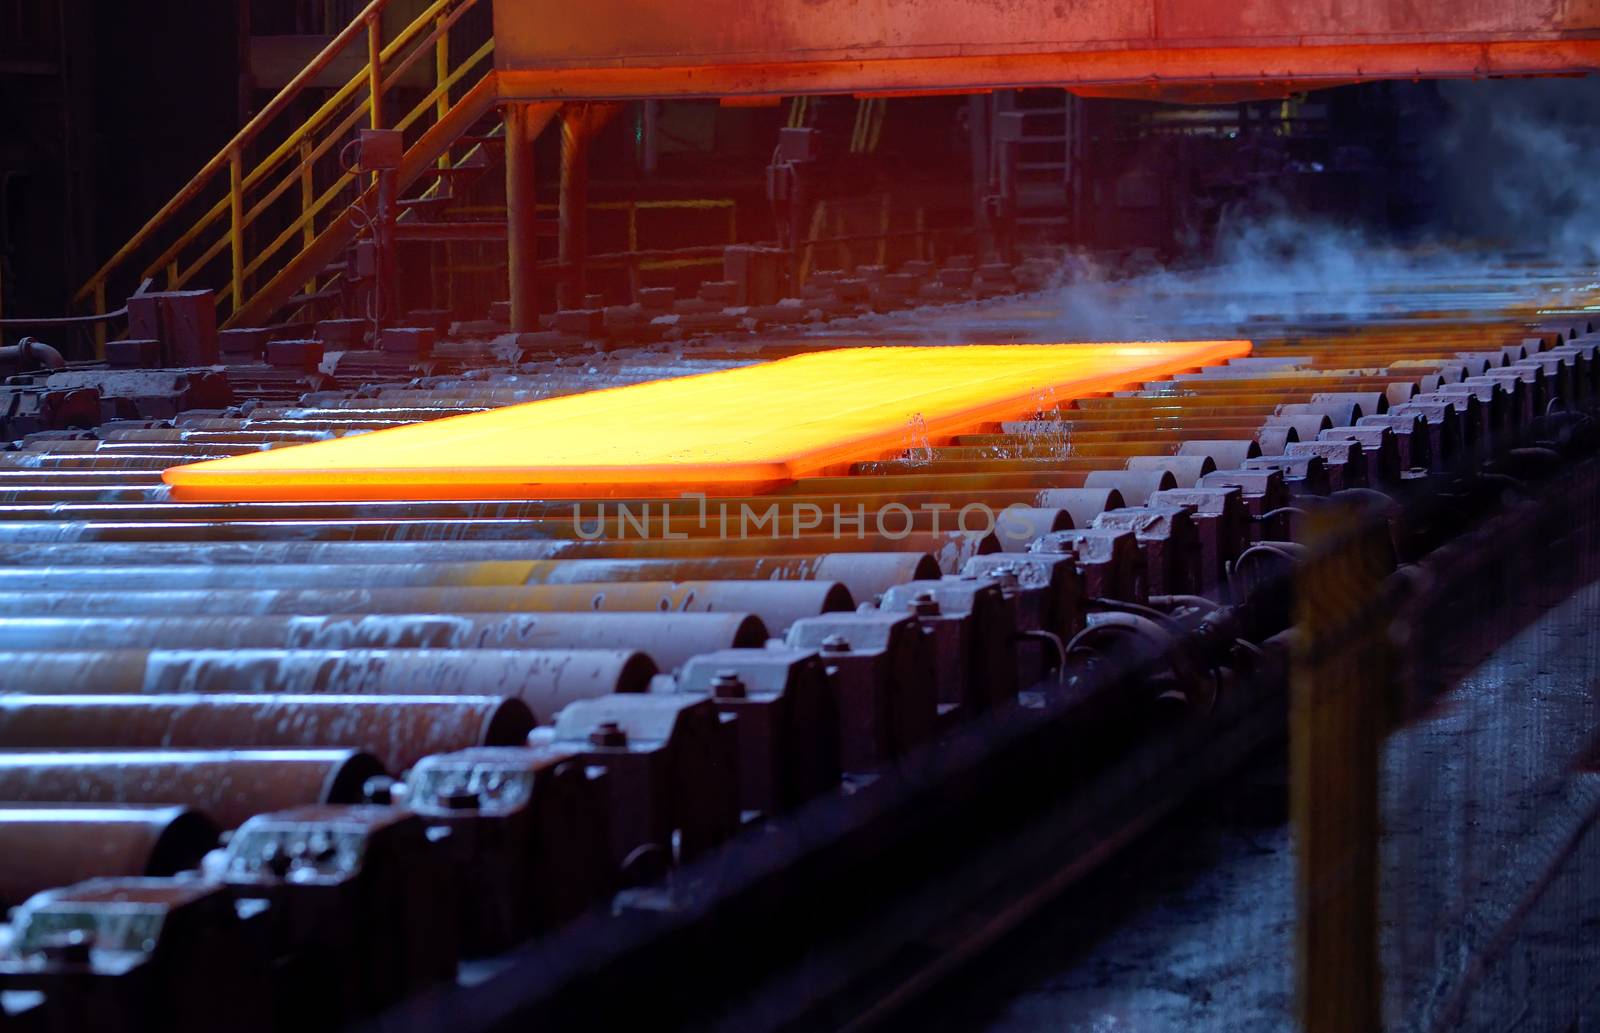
(260, 222)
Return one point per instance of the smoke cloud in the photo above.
(1515, 167)
(1519, 164)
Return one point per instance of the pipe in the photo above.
(398, 729)
(272, 621)
(866, 574)
(47, 845)
(545, 680)
(522, 237)
(228, 786)
(27, 355)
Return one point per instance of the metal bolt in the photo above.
(836, 644)
(728, 685)
(609, 733)
(1007, 575)
(925, 604)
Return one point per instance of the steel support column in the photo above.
(523, 124)
(579, 124)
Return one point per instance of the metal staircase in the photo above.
(1037, 152)
(265, 222)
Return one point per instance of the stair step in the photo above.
(450, 232)
(427, 207)
(465, 232)
(306, 299)
(434, 201)
(473, 169)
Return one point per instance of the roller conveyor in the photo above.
(586, 699)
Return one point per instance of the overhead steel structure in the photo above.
(643, 48)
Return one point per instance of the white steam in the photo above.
(1516, 220)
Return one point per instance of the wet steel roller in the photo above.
(763, 563)
(228, 786)
(950, 545)
(777, 603)
(399, 730)
(55, 844)
(865, 574)
(772, 518)
(545, 680)
(50, 495)
(546, 640)
(68, 478)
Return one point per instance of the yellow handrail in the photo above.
(307, 217)
(474, 103)
(274, 108)
(385, 64)
(345, 125)
(307, 128)
(297, 175)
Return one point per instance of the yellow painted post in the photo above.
(236, 223)
(375, 67)
(172, 275)
(1336, 725)
(441, 76)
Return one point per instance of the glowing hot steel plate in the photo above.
(739, 430)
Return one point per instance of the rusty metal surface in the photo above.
(399, 730)
(227, 785)
(47, 845)
(546, 680)
(552, 646)
(620, 48)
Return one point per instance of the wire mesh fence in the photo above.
(1445, 793)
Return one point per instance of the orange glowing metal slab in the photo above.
(748, 429)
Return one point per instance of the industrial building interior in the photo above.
(973, 515)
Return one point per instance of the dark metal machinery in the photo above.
(361, 706)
